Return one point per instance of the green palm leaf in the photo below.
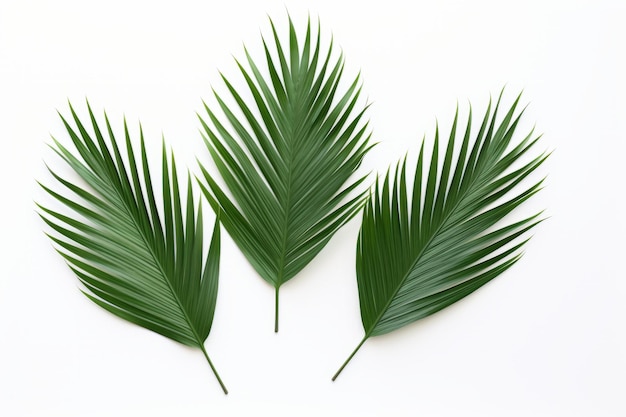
(286, 157)
(413, 262)
(138, 263)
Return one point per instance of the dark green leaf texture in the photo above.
(285, 156)
(138, 259)
(421, 251)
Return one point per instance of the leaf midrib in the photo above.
(288, 186)
(286, 222)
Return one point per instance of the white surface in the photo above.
(548, 338)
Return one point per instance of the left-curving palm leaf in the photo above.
(420, 252)
(286, 159)
(135, 261)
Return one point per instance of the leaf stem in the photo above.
(206, 355)
(350, 357)
(276, 310)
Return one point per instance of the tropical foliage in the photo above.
(286, 155)
(420, 251)
(137, 258)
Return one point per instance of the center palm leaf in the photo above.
(135, 261)
(413, 262)
(286, 157)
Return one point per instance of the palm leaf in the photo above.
(285, 157)
(139, 263)
(421, 251)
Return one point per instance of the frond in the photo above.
(422, 250)
(137, 258)
(287, 156)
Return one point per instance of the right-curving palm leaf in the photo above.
(286, 158)
(414, 262)
(131, 263)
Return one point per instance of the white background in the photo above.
(548, 338)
